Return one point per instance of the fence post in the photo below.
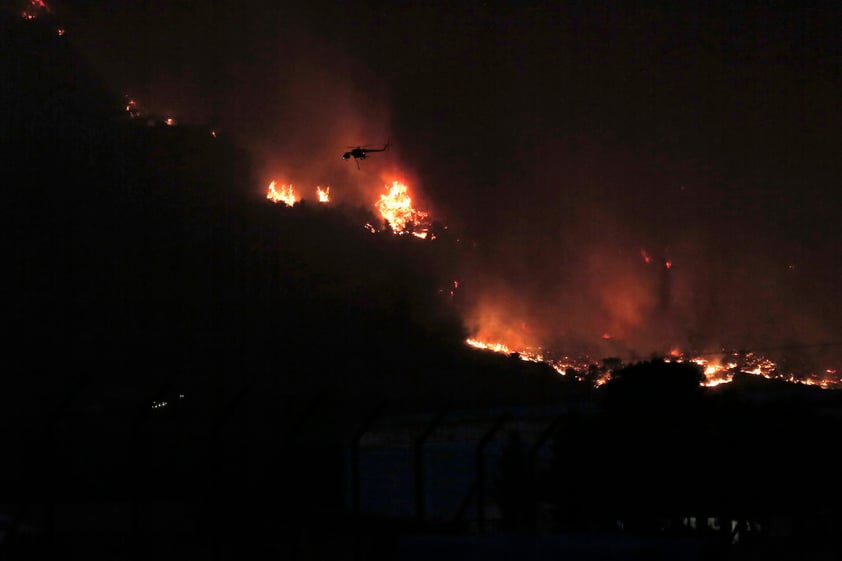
(355, 455)
(480, 467)
(215, 459)
(355, 476)
(531, 470)
(418, 462)
(50, 447)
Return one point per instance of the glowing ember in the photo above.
(718, 371)
(35, 9)
(323, 194)
(452, 291)
(648, 259)
(284, 194)
(396, 208)
(132, 108)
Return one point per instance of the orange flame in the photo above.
(716, 371)
(285, 194)
(323, 194)
(396, 208)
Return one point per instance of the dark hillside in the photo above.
(140, 266)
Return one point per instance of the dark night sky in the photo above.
(559, 139)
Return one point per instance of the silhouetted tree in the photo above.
(648, 446)
(654, 387)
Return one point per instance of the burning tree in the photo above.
(396, 208)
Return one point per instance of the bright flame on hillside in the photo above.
(716, 371)
(287, 195)
(323, 193)
(284, 194)
(581, 367)
(395, 206)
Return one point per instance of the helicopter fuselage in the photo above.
(360, 153)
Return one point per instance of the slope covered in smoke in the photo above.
(142, 251)
(562, 140)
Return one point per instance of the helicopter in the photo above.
(361, 152)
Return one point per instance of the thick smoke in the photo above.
(561, 146)
(262, 74)
(630, 256)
